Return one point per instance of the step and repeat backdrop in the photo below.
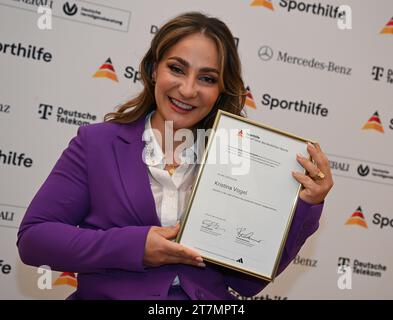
(309, 70)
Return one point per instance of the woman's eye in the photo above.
(175, 69)
(208, 79)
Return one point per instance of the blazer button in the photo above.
(199, 294)
(155, 294)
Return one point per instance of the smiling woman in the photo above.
(110, 206)
(190, 47)
(186, 83)
(191, 70)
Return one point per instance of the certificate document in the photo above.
(244, 197)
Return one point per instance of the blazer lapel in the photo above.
(128, 146)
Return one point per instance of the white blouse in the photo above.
(171, 193)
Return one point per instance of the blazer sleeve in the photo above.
(304, 224)
(49, 232)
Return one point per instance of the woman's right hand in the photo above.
(159, 249)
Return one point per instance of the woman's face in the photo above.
(186, 82)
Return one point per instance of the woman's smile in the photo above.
(186, 82)
(180, 106)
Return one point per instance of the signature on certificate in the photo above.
(243, 234)
(212, 225)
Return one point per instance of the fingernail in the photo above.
(199, 259)
(311, 145)
(299, 156)
(201, 264)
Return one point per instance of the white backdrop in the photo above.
(289, 54)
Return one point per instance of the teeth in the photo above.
(181, 105)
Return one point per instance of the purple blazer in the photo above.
(93, 213)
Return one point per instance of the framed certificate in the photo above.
(244, 197)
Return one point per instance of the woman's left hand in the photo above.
(319, 180)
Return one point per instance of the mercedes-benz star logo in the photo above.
(265, 53)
